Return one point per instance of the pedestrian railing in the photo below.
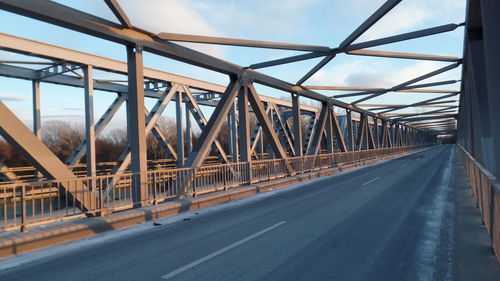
(486, 191)
(25, 204)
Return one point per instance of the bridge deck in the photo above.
(392, 221)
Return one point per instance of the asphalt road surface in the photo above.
(389, 221)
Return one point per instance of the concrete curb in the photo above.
(16, 243)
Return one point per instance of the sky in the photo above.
(316, 22)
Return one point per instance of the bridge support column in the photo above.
(233, 134)
(376, 132)
(491, 29)
(137, 125)
(89, 121)
(37, 120)
(297, 125)
(329, 131)
(244, 130)
(37, 123)
(180, 131)
(350, 136)
(189, 131)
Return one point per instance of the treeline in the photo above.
(62, 138)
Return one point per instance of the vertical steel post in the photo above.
(37, 121)
(383, 140)
(137, 125)
(180, 132)
(297, 125)
(189, 131)
(37, 128)
(271, 118)
(233, 132)
(350, 136)
(244, 125)
(88, 84)
(329, 131)
(260, 145)
(230, 140)
(24, 211)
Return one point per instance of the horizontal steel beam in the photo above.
(240, 42)
(409, 88)
(403, 37)
(387, 54)
(431, 117)
(369, 22)
(286, 60)
(362, 45)
(67, 17)
(420, 103)
(409, 82)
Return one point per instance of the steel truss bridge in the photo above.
(276, 146)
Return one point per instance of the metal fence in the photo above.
(486, 191)
(25, 204)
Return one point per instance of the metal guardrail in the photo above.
(486, 191)
(26, 204)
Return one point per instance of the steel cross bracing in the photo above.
(278, 123)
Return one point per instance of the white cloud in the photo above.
(258, 17)
(408, 15)
(174, 16)
(11, 97)
(367, 79)
(360, 72)
(404, 19)
(421, 68)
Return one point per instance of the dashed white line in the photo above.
(221, 251)
(404, 165)
(370, 181)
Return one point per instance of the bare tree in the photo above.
(61, 137)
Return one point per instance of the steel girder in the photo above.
(73, 19)
(477, 130)
(137, 40)
(17, 134)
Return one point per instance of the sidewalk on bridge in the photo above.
(474, 258)
(59, 233)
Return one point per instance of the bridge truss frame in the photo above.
(374, 130)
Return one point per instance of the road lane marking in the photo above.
(221, 251)
(404, 165)
(370, 181)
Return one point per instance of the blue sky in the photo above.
(321, 22)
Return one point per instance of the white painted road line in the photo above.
(404, 165)
(370, 181)
(221, 251)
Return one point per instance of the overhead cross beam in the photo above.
(403, 37)
(431, 117)
(409, 82)
(399, 55)
(118, 12)
(363, 45)
(420, 103)
(240, 42)
(398, 106)
(64, 16)
(410, 88)
(384, 9)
